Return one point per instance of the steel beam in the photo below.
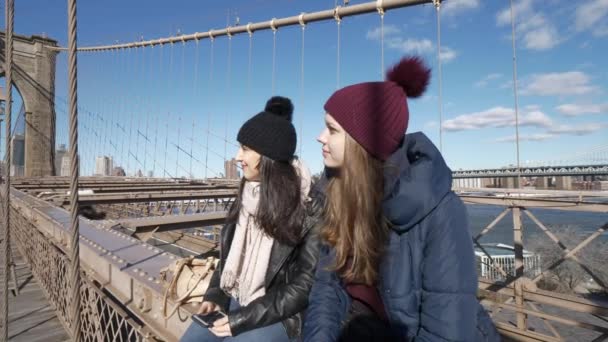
(149, 197)
(173, 222)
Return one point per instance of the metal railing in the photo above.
(518, 294)
(102, 318)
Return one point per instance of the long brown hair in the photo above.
(354, 224)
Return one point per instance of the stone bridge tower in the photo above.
(34, 78)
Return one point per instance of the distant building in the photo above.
(118, 172)
(103, 166)
(150, 173)
(600, 185)
(59, 153)
(230, 169)
(65, 166)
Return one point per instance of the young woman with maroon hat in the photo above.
(397, 260)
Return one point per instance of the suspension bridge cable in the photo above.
(137, 98)
(147, 112)
(440, 73)
(166, 146)
(75, 165)
(249, 59)
(10, 16)
(338, 24)
(155, 143)
(274, 54)
(209, 88)
(158, 106)
(303, 25)
(191, 147)
(228, 76)
(122, 111)
(380, 9)
(352, 10)
(128, 112)
(179, 124)
(515, 93)
(114, 116)
(196, 92)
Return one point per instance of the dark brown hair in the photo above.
(280, 210)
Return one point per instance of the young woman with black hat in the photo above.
(268, 251)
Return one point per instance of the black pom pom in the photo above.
(280, 106)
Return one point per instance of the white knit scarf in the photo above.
(245, 268)
(247, 262)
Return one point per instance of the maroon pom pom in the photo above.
(411, 74)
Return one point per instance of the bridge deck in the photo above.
(31, 317)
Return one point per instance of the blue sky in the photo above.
(561, 46)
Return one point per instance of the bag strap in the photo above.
(179, 266)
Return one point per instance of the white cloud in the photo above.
(484, 81)
(454, 7)
(565, 83)
(376, 33)
(496, 117)
(570, 109)
(576, 130)
(420, 46)
(542, 38)
(526, 137)
(533, 28)
(521, 8)
(447, 54)
(591, 15)
(394, 40)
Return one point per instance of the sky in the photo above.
(174, 95)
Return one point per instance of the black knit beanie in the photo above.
(271, 133)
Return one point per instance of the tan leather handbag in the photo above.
(189, 280)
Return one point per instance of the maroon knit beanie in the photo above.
(376, 114)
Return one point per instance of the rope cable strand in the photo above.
(74, 164)
(10, 16)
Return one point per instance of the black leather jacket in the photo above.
(288, 281)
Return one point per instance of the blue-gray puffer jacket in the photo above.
(427, 278)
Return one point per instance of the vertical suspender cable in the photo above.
(74, 165)
(437, 4)
(274, 53)
(338, 22)
(515, 94)
(8, 66)
(228, 76)
(380, 9)
(197, 56)
(303, 25)
(209, 87)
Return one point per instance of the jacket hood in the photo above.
(416, 178)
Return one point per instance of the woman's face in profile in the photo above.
(250, 161)
(333, 140)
